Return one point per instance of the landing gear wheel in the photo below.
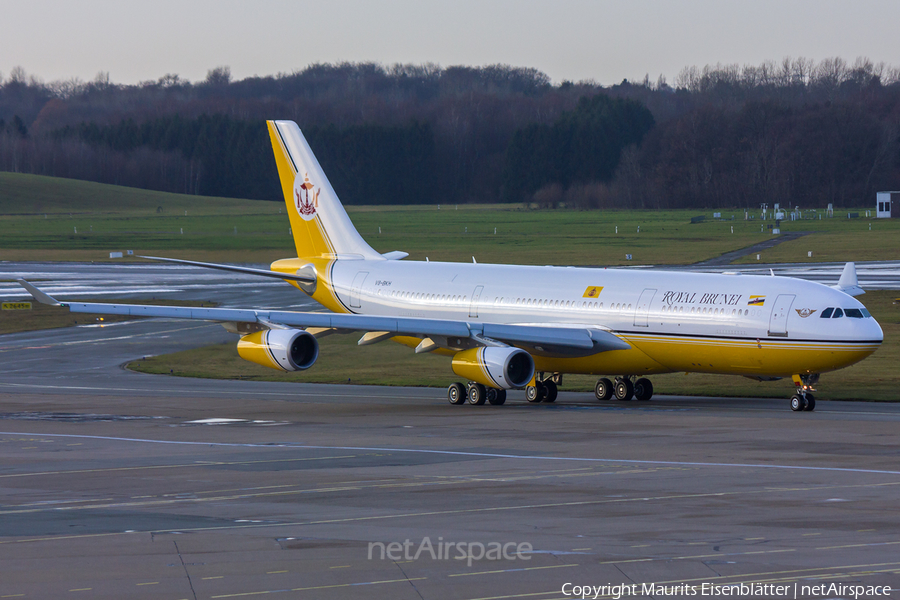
(456, 393)
(624, 390)
(643, 389)
(798, 403)
(604, 389)
(497, 398)
(552, 391)
(535, 393)
(810, 403)
(490, 394)
(477, 394)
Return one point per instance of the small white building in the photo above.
(888, 205)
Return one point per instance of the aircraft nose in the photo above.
(877, 331)
(872, 330)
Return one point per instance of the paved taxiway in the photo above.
(116, 484)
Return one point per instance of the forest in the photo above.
(794, 132)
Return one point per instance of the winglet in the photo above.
(38, 294)
(848, 283)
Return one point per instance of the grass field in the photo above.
(45, 218)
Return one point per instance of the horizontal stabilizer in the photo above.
(247, 270)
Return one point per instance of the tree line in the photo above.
(795, 132)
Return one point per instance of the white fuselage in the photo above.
(673, 310)
(639, 300)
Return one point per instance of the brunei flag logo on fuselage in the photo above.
(756, 301)
(592, 291)
(307, 202)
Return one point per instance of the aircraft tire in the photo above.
(552, 392)
(477, 394)
(643, 389)
(456, 393)
(624, 390)
(604, 389)
(496, 397)
(491, 394)
(810, 403)
(535, 393)
(798, 403)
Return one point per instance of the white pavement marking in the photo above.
(182, 391)
(461, 453)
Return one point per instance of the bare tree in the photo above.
(220, 76)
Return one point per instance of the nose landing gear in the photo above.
(803, 399)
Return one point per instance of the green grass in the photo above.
(387, 363)
(837, 240)
(43, 316)
(22, 194)
(39, 217)
(47, 218)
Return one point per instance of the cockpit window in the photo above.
(853, 313)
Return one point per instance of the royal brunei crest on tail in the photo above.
(307, 198)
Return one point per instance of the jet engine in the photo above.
(503, 368)
(282, 349)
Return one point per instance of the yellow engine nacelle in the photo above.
(282, 349)
(503, 368)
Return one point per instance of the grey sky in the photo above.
(567, 39)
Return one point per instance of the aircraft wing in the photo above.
(547, 338)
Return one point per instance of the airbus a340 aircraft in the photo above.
(512, 327)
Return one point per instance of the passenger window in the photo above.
(838, 313)
(826, 314)
(853, 313)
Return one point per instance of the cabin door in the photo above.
(473, 305)
(780, 312)
(356, 288)
(643, 308)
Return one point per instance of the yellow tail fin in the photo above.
(319, 223)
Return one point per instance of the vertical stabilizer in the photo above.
(848, 282)
(319, 223)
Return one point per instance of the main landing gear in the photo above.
(624, 389)
(475, 393)
(544, 389)
(803, 399)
